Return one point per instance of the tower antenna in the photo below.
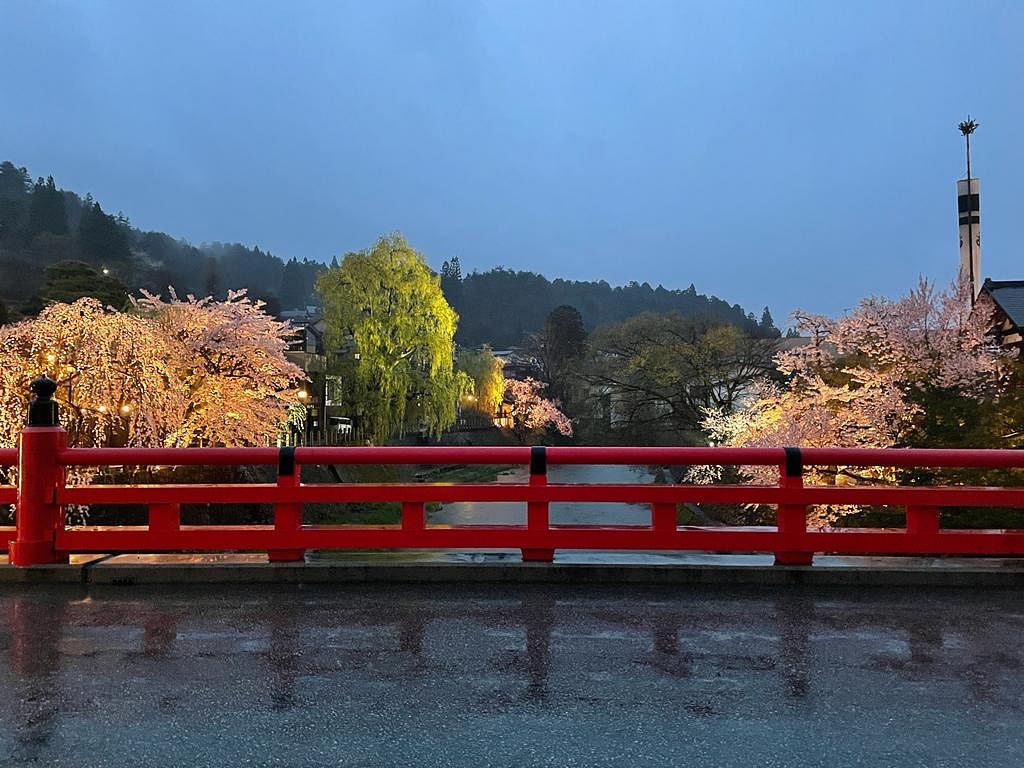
(967, 127)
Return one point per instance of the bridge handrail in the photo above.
(42, 535)
(672, 456)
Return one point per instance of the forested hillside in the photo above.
(501, 306)
(53, 243)
(57, 246)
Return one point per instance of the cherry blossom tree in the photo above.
(170, 373)
(228, 359)
(531, 412)
(865, 380)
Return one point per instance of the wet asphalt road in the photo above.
(457, 676)
(561, 513)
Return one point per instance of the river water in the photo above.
(571, 513)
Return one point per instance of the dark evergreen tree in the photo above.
(766, 328)
(103, 242)
(293, 288)
(46, 210)
(310, 271)
(564, 344)
(14, 182)
(14, 199)
(451, 281)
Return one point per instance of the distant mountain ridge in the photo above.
(41, 225)
(501, 306)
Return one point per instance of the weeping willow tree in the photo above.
(488, 379)
(391, 331)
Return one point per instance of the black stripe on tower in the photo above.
(964, 220)
(962, 203)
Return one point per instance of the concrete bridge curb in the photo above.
(467, 568)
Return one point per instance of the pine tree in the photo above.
(766, 328)
(103, 241)
(451, 280)
(46, 211)
(14, 181)
(293, 291)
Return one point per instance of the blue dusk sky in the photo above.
(772, 153)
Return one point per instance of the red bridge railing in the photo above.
(42, 536)
(8, 491)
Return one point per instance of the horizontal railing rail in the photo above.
(262, 493)
(42, 534)
(594, 455)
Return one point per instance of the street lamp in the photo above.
(303, 396)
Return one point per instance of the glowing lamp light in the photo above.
(102, 409)
(126, 409)
(51, 357)
(303, 394)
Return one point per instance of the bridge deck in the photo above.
(510, 676)
(585, 567)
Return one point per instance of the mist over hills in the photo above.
(42, 225)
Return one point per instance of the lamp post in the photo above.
(304, 400)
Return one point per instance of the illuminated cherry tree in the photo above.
(531, 412)
(170, 373)
(864, 380)
(227, 358)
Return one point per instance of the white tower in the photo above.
(970, 233)
(968, 210)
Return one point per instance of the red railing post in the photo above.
(413, 516)
(537, 511)
(791, 519)
(37, 514)
(922, 520)
(165, 518)
(663, 517)
(287, 515)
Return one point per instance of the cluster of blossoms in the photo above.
(854, 383)
(531, 412)
(170, 373)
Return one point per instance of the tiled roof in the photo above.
(1009, 296)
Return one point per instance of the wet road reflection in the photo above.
(507, 676)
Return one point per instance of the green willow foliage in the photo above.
(488, 380)
(391, 331)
